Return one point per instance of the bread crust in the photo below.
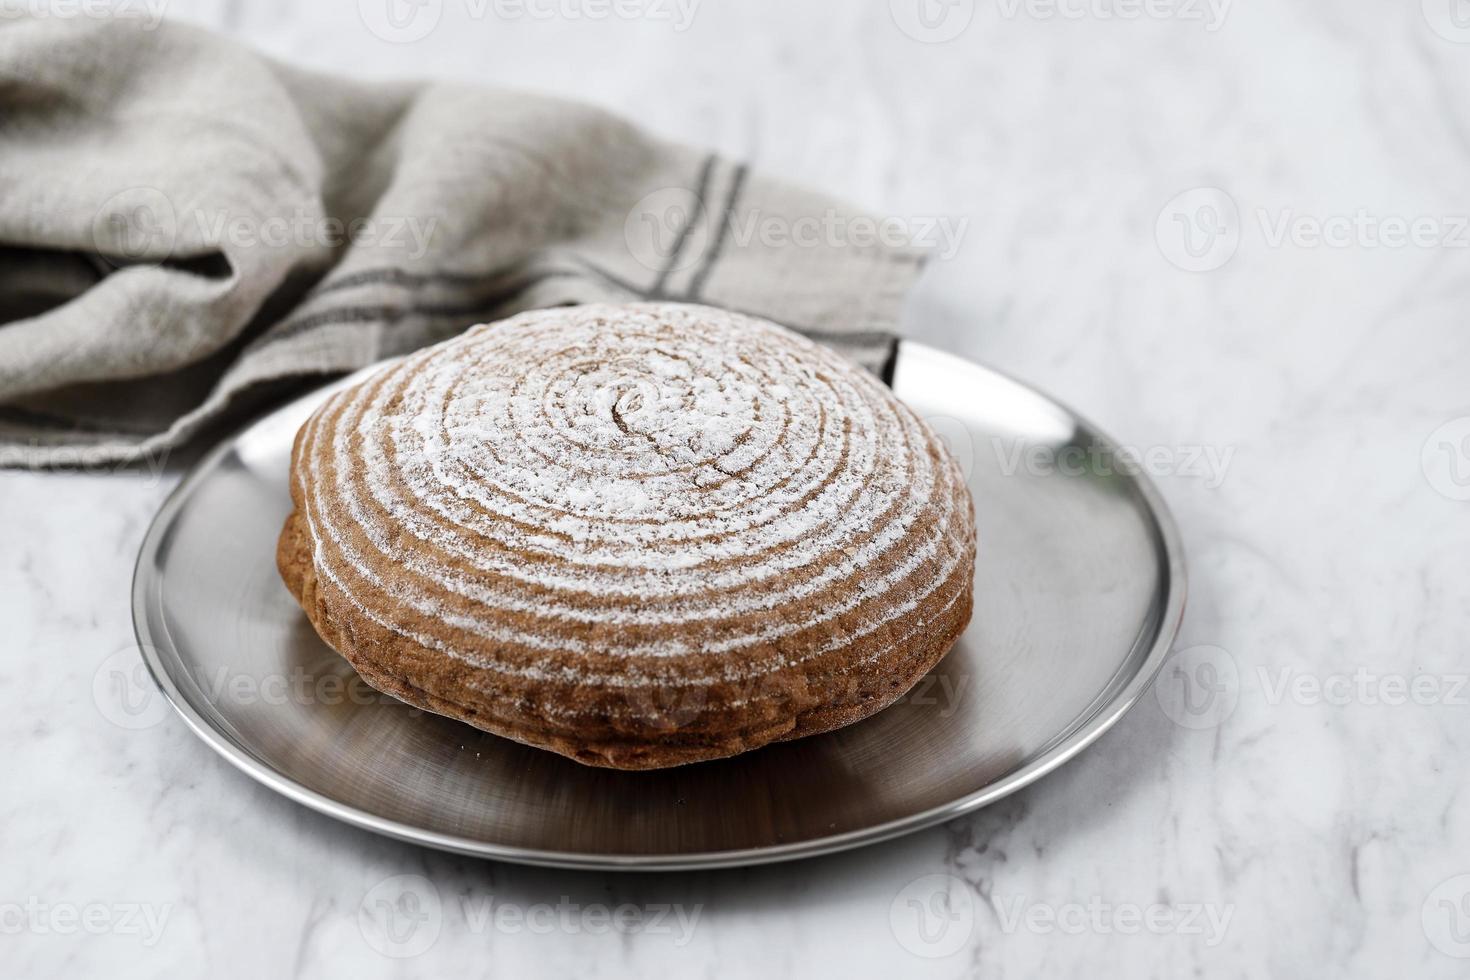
(462, 612)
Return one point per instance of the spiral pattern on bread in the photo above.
(636, 535)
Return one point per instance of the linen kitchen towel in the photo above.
(189, 227)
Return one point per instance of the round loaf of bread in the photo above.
(639, 536)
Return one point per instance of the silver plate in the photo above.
(1079, 589)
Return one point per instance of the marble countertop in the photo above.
(1233, 234)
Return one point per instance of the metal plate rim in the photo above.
(1101, 720)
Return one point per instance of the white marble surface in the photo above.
(1315, 829)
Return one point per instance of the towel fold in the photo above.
(188, 227)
